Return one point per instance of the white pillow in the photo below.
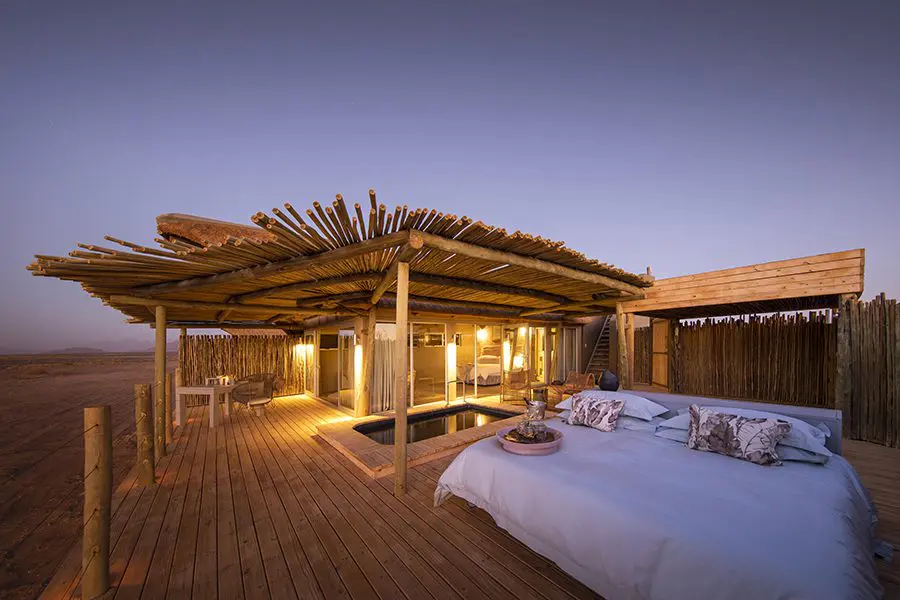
(635, 406)
(626, 423)
(784, 452)
(803, 435)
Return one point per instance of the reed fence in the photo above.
(792, 359)
(873, 413)
(202, 356)
(788, 359)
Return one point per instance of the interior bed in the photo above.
(633, 515)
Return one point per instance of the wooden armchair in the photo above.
(516, 386)
(575, 382)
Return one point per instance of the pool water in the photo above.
(431, 424)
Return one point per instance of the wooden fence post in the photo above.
(180, 407)
(97, 501)
(169, 394)
(843, 375)
(159, 384)
(143, 424)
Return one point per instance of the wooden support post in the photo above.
(97, 501)
(159, 384)
(401, 370)
(180, 408)
(622, 346)
(362, 408)
(629, 342)
(842, 379)
(169, 393)
(560, 373)
(143, 416)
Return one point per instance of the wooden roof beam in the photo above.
(307, 285)
(216, 325)
(608, 301)
(406, 253)
(298, 263)
(510, 258)
(218, 306)
(480, 286)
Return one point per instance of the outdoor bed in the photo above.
(634, 515)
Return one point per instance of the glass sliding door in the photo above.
(537, 355)
(485, 373)
(346, 339)
(427, 363)
(335, 367)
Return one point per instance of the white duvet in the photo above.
(632, 515)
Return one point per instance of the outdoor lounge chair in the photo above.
(575, 382)
(516, 386)
(255, 391)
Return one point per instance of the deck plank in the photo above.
(341, 516)
(252, 570)
(282, 567)
(161, 564)
(205, 583)
(181, 575)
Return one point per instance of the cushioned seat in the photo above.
(255, 391)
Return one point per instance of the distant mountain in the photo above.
(172, 346)
(95, 347)
(78, 350)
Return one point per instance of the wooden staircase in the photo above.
(600, 356)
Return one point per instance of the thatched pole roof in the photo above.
(336, 260)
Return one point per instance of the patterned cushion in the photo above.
(599, 414)
(748, 439)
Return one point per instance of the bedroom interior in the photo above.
(478, 308)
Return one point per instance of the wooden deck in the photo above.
(262, 507)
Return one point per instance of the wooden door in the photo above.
(659, 345)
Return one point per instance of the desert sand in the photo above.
(41, 453)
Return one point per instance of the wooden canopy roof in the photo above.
(806, 283)
(287, 268)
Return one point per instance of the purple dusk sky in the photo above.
(685, 135)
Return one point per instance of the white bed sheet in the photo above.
(632, 515)
(489, 372)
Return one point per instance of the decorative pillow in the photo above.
(635, 406)
(599, 414)
(803, 435)
(739, 437)
(564, 415)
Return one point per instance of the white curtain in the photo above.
(382, 397)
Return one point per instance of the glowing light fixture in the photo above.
(482, 334)
(523, 330)
(451, 370)
(518, 361)
(357, 371)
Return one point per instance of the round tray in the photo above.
(530, 449)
